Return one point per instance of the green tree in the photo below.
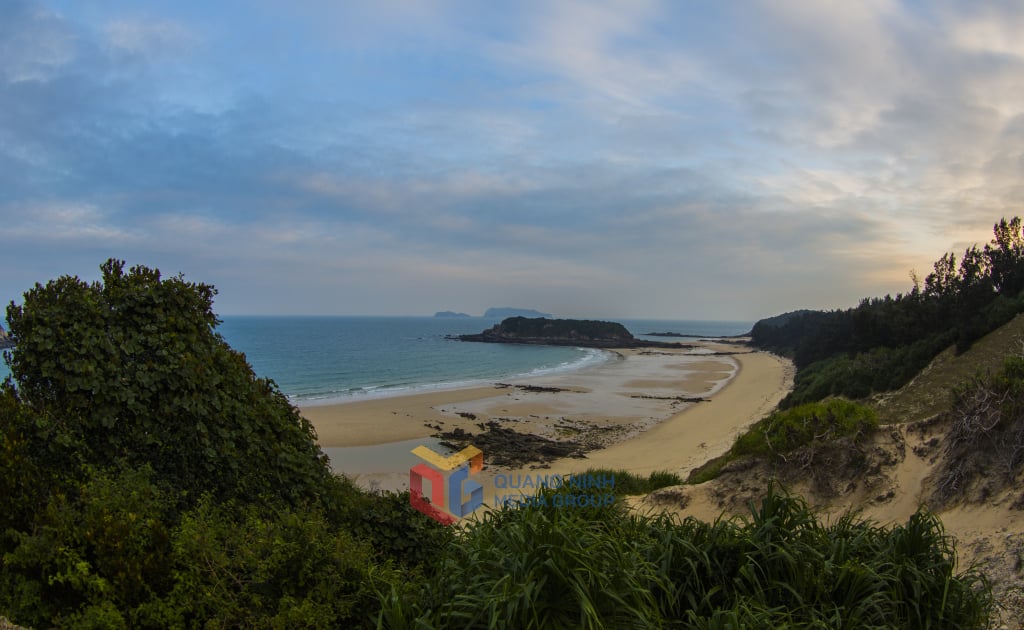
(130, 371)
(1006, 256)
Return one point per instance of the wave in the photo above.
(591, 357)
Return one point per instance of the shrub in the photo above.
(129, 371)
(785, 431)
(538, 567)
(985, 443)
(241, 566)
(97, 556)
(628, 483)
(393, 528)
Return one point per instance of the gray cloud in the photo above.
(676, 161)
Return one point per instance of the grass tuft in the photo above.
(541, 567)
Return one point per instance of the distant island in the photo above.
(515, 312)
(5, 339)
(564, 332)
(497, 312)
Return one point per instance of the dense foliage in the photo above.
(150, 480)
(129, 371)
(546, 567)
(883, 342)
(785, 431)
(539, 327)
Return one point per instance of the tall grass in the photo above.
(628, 483)
(546, 567)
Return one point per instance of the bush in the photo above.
(393, 528)
(98, 556)
(240, 566)
(784, 431)
(129, 371)
(985, 443)
(109, 555)
(780, 567)
(539, 566)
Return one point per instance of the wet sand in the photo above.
(636, 411)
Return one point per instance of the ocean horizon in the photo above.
(317, 360)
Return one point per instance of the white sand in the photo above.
(627, 401)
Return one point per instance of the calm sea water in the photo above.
(328, 359)
(318, 360)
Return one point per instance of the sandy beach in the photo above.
(643, 410)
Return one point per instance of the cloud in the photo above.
(35, 44)
(630, 159)
(589, 50)
(62, 222)
(148, 38)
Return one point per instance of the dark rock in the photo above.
(505, 447)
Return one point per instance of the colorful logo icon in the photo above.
(460, 466)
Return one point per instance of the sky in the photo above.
(683, 160)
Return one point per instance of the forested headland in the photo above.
(882, 343)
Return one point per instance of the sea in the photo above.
(324, 360)
(318, 360)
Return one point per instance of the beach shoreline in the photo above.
(651, 410)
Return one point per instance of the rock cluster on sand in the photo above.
(510, 448)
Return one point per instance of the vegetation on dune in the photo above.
(785, 431)
(628, 483)
(882, 343)
(149, 479)
(806, 429)
(545, 567)
(985, 443)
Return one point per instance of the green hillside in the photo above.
(883, 343)
(930, 392)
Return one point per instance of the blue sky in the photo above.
(721, 160)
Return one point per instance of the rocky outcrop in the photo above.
(564, 332)
(5, 339)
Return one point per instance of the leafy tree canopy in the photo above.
(129, 370)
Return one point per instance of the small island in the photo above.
(564, 332)
(451, 314)
(506, 311)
